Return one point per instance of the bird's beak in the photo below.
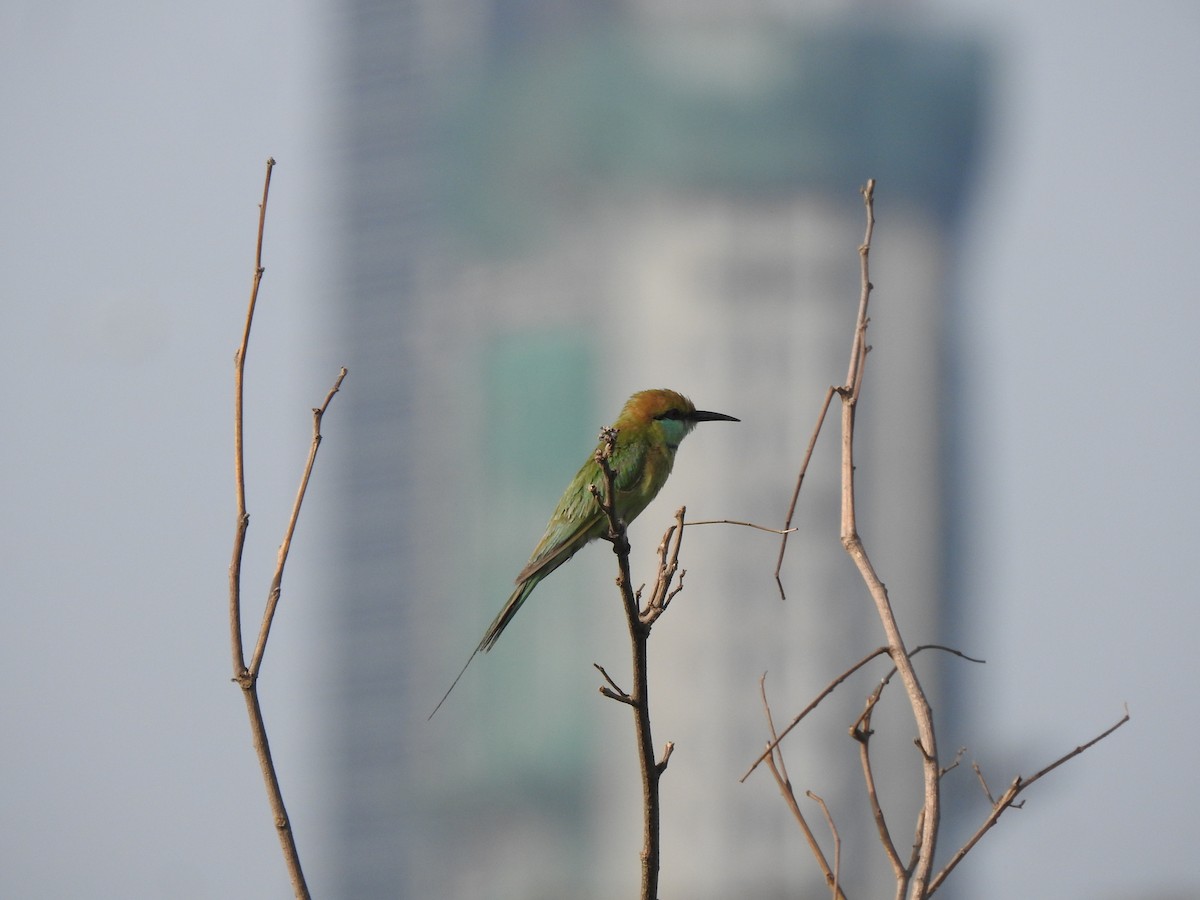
(703, 415)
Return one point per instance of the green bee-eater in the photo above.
(649, 430)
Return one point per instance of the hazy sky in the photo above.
(129, 172)
(1085, 392)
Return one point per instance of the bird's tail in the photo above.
(524, 589)
(461, 672)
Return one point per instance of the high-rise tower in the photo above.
(547, 207)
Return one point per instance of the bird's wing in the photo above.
(575, 522)
(629, 463)
(578, 518)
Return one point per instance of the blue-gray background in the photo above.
(130, 166)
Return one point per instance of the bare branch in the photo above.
(239, 473)
(614, 691)
(766, 528)
(983, 782)
(922, 713)
(953, 764)
(247, 677)
(778, 771)
(286, 545)
(668, 749)
(639, 633)
(1007, 799)
(787, 523)
(915, 877)
(668, 564)
(1080, 749)
(861, 732)
(829, 689)
(837, 842)
(613, 695)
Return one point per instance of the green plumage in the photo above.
(649, 430)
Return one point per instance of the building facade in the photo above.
(548, 207)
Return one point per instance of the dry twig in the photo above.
(779, 772)
(808, 452)
(837, 842)
(247, 676)
(1008, 798)
(914, 881)
(914, 877)
(640, 622)
(816, 701)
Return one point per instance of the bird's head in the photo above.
(674, 414)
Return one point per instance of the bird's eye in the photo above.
(670, 414)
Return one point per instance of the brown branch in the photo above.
(915, 878)
(614, 691)
(914, 854)
(239, 474)
(983, 782)
(787, 524)
(837, 843)
(766, 528)
(778, 771)
(247, 677)
(668, 749)
(829, 689)
(858, 355)
(286, 546)
(954, 763)
(1007, 799)
(861, 732)
(668, 564)
(639, 696)
(922, 714)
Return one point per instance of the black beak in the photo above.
(703, 415)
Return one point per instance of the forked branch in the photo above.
(247, 676)
(914, 876)
(639, 622)
(1008, 800)
(775, 763)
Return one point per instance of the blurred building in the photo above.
(547, 207)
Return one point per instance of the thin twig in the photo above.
(286, 546)
(861, 732)
(1007, 799)
(787, 523)
(247, 677)
(614, 691)
(954, 763)
(983, 782)
(668, 565)
(239, 474)
(778, 770)
(768, 529)
(668, 749)
(837, 842)
(829, 689)
(913, 856)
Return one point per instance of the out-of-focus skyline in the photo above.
(130, 174)
(596, 203)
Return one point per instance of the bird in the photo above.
(649, 429)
